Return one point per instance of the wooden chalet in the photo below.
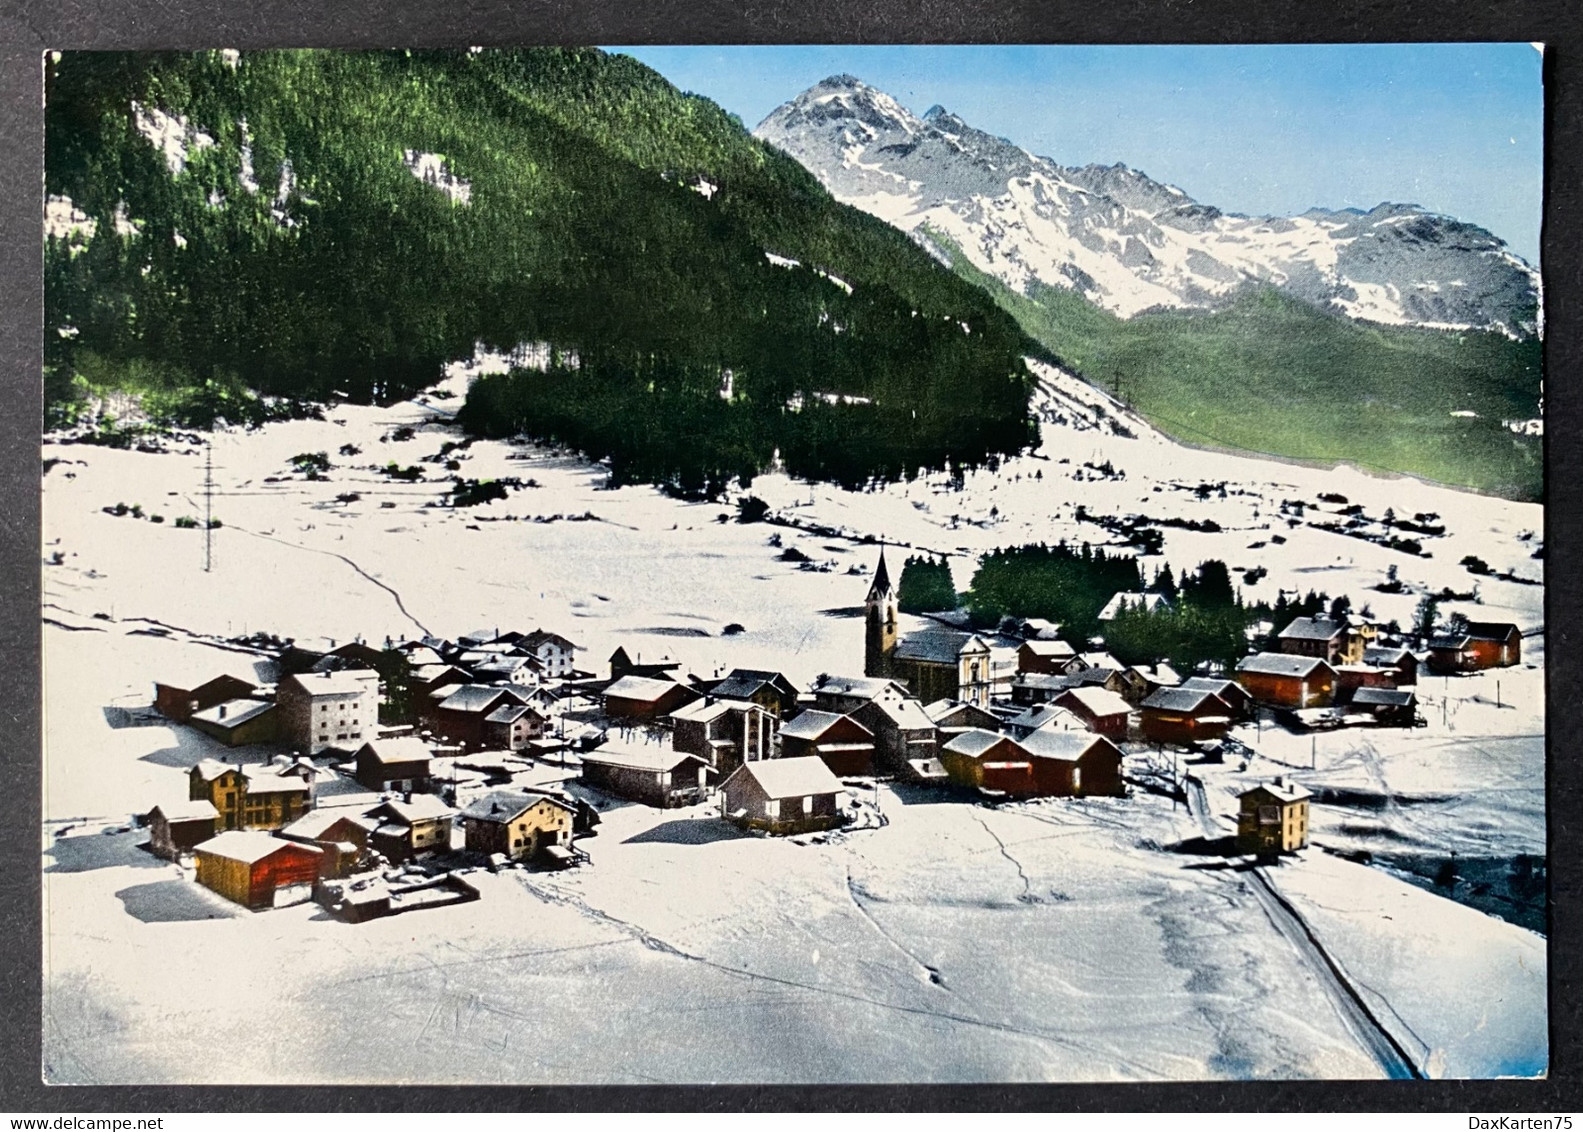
(1287, 680)
(841, 694)
(724, 733)
(1185, 715)
(1390, 707)
(393, 764)
(952, 717)
(180, 702)
(1351, 677)
(512, 726)
(642, 699)
(342, 837)
(1074, 764)
(1272, 818)
(1052, 658)
(1495, 644)
(238, 723)
(649, 773)
(409, 827)
(520, 826)
(844, 745)
(986, 761)
(1396, 659)
(772, 691)
(257, 870)
(175, 828)
(1101, 710)
(782, 796)
(1485, 644)
(1042, 716)
(622, 664)
(1029, 688)
(462, 715)
(903, 733)
(1235, 695)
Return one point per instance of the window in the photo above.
(772, 808)
(1077, 778)
(1269, 815)
(807, 805)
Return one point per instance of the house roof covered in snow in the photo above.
(939, 646)
(350, 682)
(1281, 791)
(638, 756)
(406, 749)
(1099, 701)
(857, 687)
(504, 805)
(976, 742)
(791, 778)
(186, 811)
(1068, 746)
(1280, 664)
(477, 698)
(233, 712)
(420, 807)
(1051, 649)
(1384, 697)
(644, 689)
(1184, 699)
(1312, 629)
(1385, 656)
(249, 846)
(812, 724)
(314, 823)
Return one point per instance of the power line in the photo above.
(208, 506)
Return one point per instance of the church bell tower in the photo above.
(880, 609)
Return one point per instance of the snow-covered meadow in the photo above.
(1050, 940)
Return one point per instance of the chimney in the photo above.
(222, 711)
(1278, 781)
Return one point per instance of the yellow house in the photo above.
(1273, 819)
(254, 797)
(519, 825)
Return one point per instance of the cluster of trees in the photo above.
(926, 585)
(606, 215)
(1065, 584)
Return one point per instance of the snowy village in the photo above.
(731, 634)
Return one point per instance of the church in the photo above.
(937, 663)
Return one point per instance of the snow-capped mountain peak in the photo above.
(1129, 242)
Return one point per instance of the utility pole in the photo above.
(208, 506)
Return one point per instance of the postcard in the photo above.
(794, 564)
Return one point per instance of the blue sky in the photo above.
(1457, 128)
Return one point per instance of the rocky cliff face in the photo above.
(1130, 243)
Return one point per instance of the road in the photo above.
(1398, 1064)
(1355, 1013)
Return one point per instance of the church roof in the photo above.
(881, 584)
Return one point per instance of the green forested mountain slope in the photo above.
(1275, 375)
(280, 242)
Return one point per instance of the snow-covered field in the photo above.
(1062, 941)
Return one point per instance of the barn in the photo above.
(176, 827)
(1185, 715)
(1286, 680)
(794, 795)
(257, 870)
(646, 772)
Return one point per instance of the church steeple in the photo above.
(880, 609)
(881, 585)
